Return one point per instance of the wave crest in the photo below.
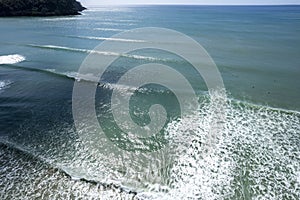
(11, 59)
(4, 84)
(105, 53)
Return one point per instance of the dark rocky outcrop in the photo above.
(40, 7)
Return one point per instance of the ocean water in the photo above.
(256, 49)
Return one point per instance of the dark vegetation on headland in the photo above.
(40, 7)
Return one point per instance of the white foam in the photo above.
(51, 70)
(105, 53)
(11, 59)
(4, 84)
(62, 19)
(109, 23)
(110, 29)
(90, 77)
(119, 20)
(258, 155)
(108, 9)
(110, 39)
(42, 181)
(79, 77)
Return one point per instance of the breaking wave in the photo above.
(256, 157)
(4, 84)
(109, 39)
(110, 29)
(105, 53)
(11, 59)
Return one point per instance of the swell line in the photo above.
(46, 71)
(110, 29)
(107, 39)
(75, 76)
(105, 53)
(237, 102)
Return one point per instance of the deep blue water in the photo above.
(256, 49)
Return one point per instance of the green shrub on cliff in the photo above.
(39, 7)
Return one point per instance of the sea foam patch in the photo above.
(4, 84)
(257, 156)
(11, 59)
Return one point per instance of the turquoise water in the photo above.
(257, 52)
